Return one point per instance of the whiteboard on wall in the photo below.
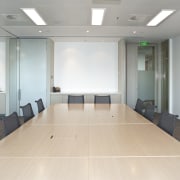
(86, 67)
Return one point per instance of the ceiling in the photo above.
(72, 18)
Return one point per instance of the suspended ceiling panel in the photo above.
(72, 18)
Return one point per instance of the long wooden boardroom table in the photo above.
(89, 142)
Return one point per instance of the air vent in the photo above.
(14, 17)
(10, 16)
(138, 18)
(133, 18)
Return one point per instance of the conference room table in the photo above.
(89, 142)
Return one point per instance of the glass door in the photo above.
(146, 74)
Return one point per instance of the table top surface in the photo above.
(89, 142)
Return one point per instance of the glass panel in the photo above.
(146, 73)
(2, 65)
(32, 71)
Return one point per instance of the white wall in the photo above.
(87, 67)
(132, 75)
(174, 91)
(122, 69)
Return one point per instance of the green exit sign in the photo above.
(143, 43)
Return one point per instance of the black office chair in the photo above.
(40, 105)
(149, 112)
(140, 106)
(79, 99)
(27, 112)
(11, 123)
(167, 122)
(104, 99)
(2, 116)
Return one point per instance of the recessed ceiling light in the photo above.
(97, 16)
(40, 31)
(163, 14)
(34, 16)
(87, 31)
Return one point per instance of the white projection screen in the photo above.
(86, 67)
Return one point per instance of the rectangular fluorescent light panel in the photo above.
(97, 16)
(34, 16)
(163, 14)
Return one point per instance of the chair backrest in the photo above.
(2, 116)
(167, 122)
(40, 105)
(104, 99)
(79, 99)
(149, 112)
(27, 112)
(139, 106)
(11, 123)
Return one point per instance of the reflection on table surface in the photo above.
(89, 142)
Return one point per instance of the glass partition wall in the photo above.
(32, 71)
(2, 77)
(146, 73)
(28, 73)
(2, 65)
